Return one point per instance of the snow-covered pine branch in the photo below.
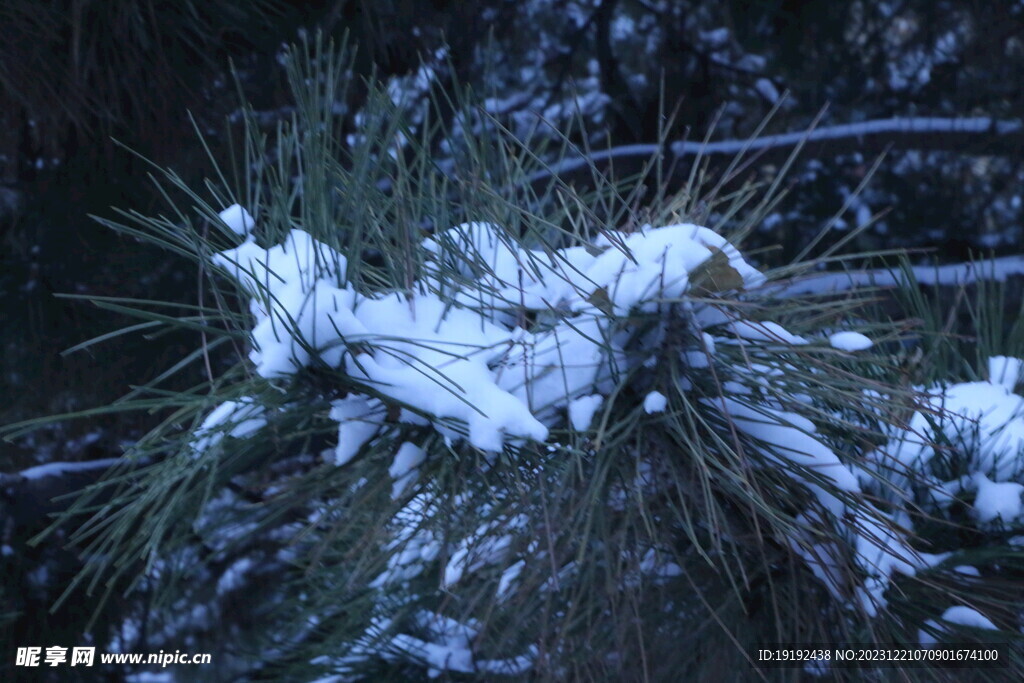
(452, 353)
(562, 442)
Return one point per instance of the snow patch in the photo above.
(581, 411)
(655, 402)
(961, 615)
(849, 341)
(237, 220)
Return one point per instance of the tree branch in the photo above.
(976, 135)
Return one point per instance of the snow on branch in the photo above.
(55, 469)
(868, 137)
(461, 358)
(35, 492)
(859, 132)
(952, 274)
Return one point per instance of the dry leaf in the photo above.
(717, 275)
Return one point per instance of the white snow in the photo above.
(358, 420)
(150, 677)
(849, 341)
(966, 616)
(655, 562)
(53, 469)
(451, 649)
(655, 402)
(404, 467)
(509, 578)
(238, 220)
(459, 360)
(981, 426)
(484, 547)
(1005, 371)
(654, 264)
(879, 550)
(979, 125)
(239, 419)
(997, 500)
(408, 457)
(916, 124)
(411, 545)
(962, 615)
(715, 38)
(951, 274)
(984, 418)
(765, 332)
(789, 437)
(581, 411)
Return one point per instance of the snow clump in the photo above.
(454, 356)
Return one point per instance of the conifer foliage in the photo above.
(453, 426)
